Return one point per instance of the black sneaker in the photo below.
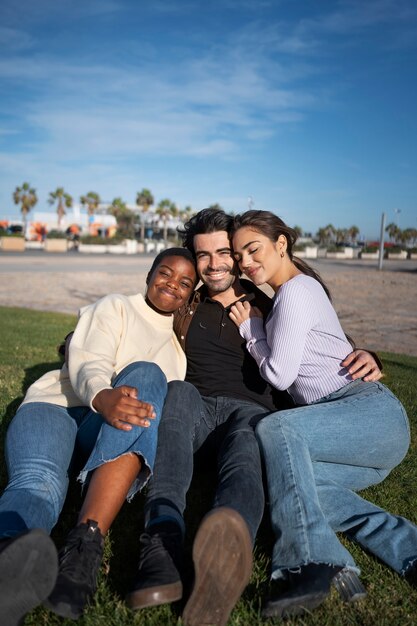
(28, 571)
(158, 580)
(79, 563)
(308, 589)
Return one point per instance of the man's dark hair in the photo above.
(205, 221)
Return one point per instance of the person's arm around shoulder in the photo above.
(363, 364)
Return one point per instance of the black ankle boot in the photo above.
(79, 564)
(308, 589)
(158, 580)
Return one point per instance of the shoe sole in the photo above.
(289, 607)
(222, 554)
(154, 596)
(28, 571)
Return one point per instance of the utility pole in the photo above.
(381, 242)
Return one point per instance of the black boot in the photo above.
(79, 564)
(158, 580)
(28, 571)
(308, 589)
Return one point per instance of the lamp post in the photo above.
(381, 242)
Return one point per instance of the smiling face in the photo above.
(259, 257)
(215, 264)
(171, 284)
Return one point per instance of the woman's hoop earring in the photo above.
(282, 254)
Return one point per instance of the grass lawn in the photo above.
(28, 349)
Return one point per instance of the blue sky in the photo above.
(307, 107)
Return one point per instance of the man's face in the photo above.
(216, 267)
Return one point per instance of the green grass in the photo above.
(28, 349)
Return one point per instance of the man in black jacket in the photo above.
(223, 392)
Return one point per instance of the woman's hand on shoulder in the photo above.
(121, 408)
(242, 311)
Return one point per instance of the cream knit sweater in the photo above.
(110, 334)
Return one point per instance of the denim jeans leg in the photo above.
(39, 446)
(151, 384)
(240, 484)
(392, 538)
(302, 532)
(350, 440)
(185, 425)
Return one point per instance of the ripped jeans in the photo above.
(44, 440)
(317, 457)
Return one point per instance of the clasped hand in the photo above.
(121, 408)
(242, 311)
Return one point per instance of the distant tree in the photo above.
(326, 234)
(409, 236)
(91, 200)
(216, 206)
(144, 200)
(186, 213)
(63, 200)
(27, 198)
(341, 235)
(393, 231)
(165, 210)
(125, 218)
(299, 231)
(353, 233)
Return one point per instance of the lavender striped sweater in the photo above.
(302, 344)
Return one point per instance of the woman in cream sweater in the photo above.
(106, 402)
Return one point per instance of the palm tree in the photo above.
(326, 234)
(63, 199)
(299, 231)
(186, 213)
(91, 200)
(409, 236)
(393, 231)
(144, 200)
(27, 198)
(353, 233)
(125, 218)
(341, 235)
(165, 210)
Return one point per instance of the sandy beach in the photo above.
(377, 308)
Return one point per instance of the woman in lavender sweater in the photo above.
(343, 436)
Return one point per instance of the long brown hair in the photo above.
(272, 226)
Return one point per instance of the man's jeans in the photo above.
(187, 421)
(40, 444)
(316, 457)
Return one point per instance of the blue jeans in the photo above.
(187, 420)
(40, 444)
(316, 458)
